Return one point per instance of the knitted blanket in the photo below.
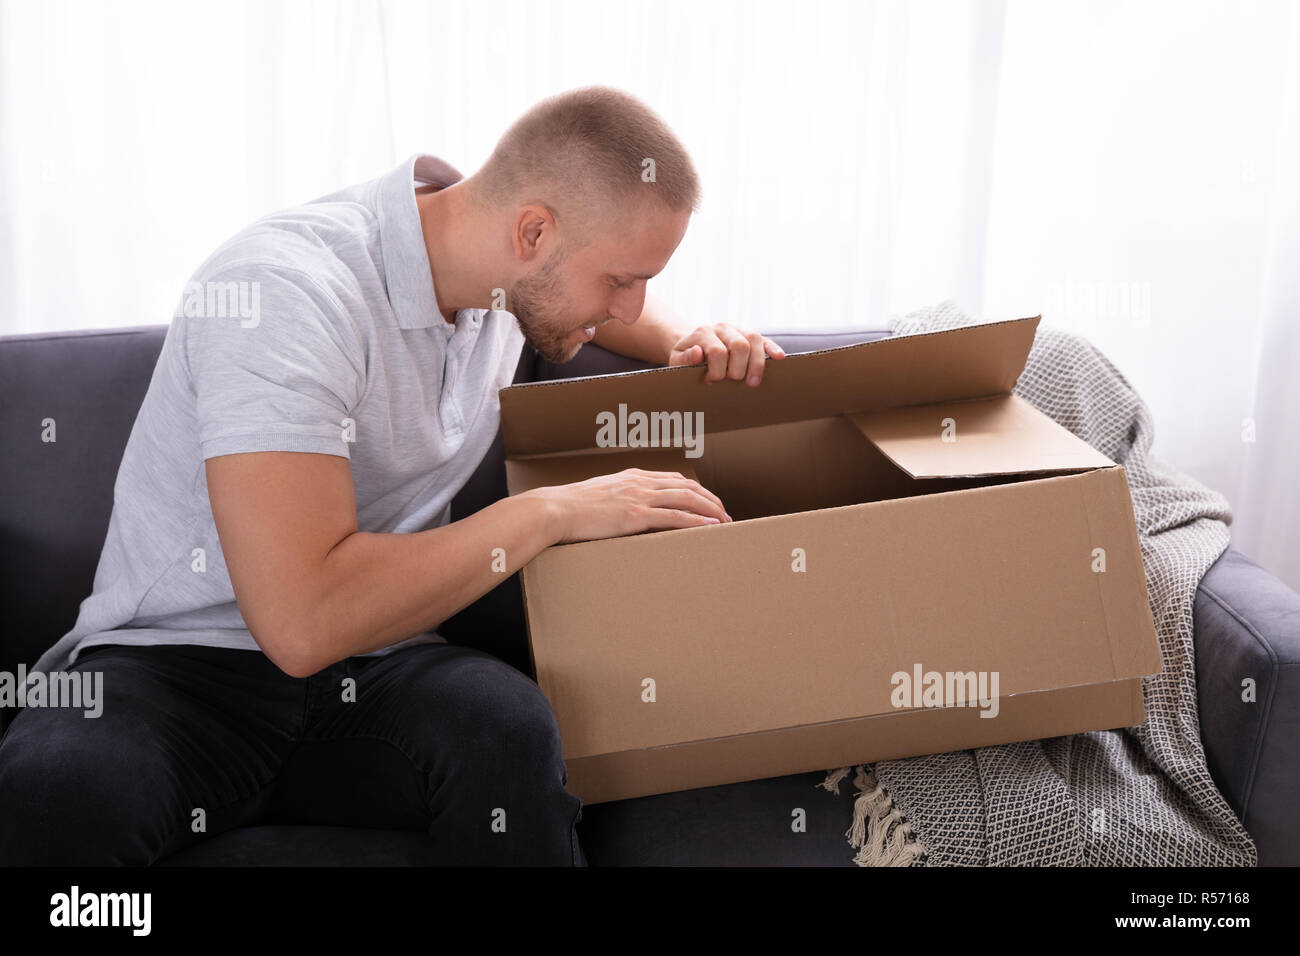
(1140, 796)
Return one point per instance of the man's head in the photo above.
(587, 196)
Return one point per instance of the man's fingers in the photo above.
(757, 359)
(687, 499)
(718, 356)
(737, 353)
(729, 353)
(701, 490)
(677, 477)
(691, 355)
(663, 519)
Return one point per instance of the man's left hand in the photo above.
(730, 352)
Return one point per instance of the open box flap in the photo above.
(972, 361)
(1002, 435)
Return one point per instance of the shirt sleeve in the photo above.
(283, 371)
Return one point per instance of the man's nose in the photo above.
(627, 309)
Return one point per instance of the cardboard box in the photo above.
(899, 513)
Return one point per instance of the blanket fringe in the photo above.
(833, 778)
(879, 832)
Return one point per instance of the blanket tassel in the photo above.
(879, 833)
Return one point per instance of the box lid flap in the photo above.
(972, 361)
(1002, 435)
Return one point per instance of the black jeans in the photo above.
(193, 741)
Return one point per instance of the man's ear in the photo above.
(534, 232)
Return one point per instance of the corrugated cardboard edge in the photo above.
(550, 383)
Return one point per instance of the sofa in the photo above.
(55, 500)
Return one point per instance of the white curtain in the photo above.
(1127, 169)
(1268, 520)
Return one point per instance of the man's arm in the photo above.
(661, 335)
(314, 590)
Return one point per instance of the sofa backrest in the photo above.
(56, 496)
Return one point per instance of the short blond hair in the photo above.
(584, 152)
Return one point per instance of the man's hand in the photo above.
(731, 352)
(659, 335)
(628, 502)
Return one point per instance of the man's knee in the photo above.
(69, 797)
(490, 739)
(472, 713)
(492, 699)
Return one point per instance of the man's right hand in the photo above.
(629, 502)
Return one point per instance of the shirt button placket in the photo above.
(453, 423)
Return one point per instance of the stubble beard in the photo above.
(531, 301)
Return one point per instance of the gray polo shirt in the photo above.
(313, 330)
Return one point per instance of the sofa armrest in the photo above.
(1247, 625)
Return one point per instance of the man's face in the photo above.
(561, 302)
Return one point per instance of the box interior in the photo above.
(767, 470)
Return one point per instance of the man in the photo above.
(279, 552)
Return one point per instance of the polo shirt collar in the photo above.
(406, 260)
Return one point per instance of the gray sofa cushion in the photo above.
(55, 498)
